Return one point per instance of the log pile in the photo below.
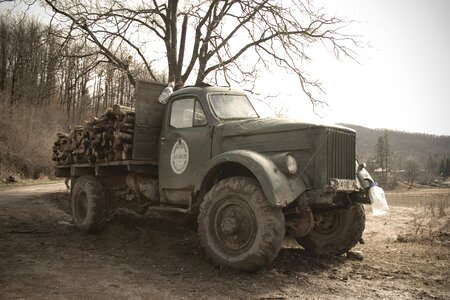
(104, 139)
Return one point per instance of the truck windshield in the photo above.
(230, 107)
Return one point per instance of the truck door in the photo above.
(185, 147)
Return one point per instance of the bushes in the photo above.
(430, 223)
(27, 134)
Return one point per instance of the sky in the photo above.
(401, 82)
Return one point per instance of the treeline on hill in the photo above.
(410, 156)
(47, 83)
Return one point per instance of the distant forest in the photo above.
(418, 147)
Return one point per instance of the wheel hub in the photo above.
(327, 223)
(235, 225)
(229, 226)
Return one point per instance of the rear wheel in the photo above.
(336, 231)
(88, 204)
(238, 228)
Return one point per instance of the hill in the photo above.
(405, 145)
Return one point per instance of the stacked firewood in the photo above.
(104, 139)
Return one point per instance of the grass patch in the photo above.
(430, 222)
(27, 134)
(25, 182)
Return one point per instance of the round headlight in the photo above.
(291, 164)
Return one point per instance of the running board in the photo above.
(169, 209)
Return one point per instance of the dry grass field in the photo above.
(406, 255)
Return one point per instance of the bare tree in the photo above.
(39, 66)
(412, 169)
(27, 60)
(208, 40)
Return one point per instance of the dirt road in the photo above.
(43, 257)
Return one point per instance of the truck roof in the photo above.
(203, 90)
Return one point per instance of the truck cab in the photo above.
(212, 132)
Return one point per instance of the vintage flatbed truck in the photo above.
(247, 180)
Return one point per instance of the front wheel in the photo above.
(88, 204)
(336, 231)
(237, 227)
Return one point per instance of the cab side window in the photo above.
(199, 115)
(187, 113)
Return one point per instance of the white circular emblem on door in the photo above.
(179, 157)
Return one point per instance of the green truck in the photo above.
(246, 180)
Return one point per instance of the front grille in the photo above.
(341, 154)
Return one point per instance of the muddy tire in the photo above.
(335, 232)
(238, 228)
(88, 204)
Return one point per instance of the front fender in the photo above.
(280, 189)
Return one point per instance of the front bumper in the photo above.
(344, 185)
(362, 181)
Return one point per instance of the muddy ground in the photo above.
(43, 257)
